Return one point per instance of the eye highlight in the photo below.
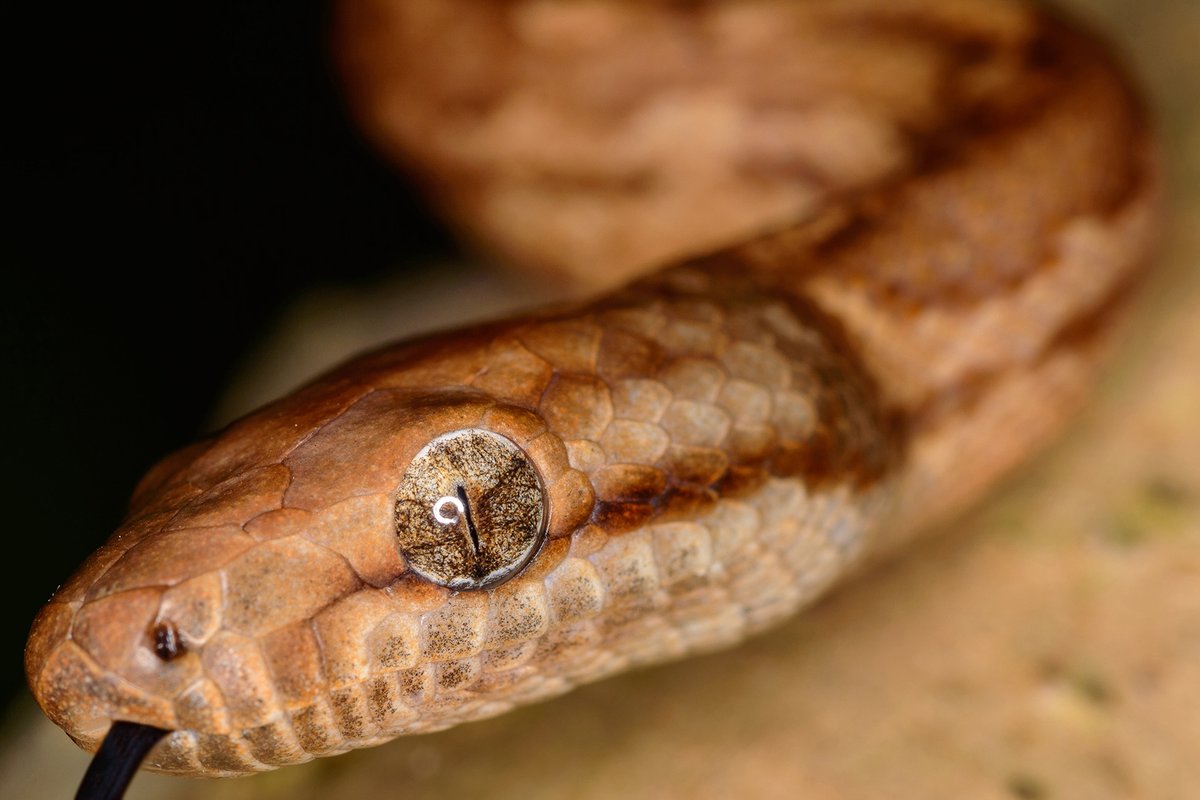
(470, 511)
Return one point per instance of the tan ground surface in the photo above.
(1048, 649)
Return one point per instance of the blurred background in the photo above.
(187, 182)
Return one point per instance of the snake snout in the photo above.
(94, 662)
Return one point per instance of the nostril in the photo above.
(167, 643)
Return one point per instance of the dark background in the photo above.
(206, 148)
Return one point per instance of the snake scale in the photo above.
(899, 289)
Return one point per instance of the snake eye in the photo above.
(167, 644)
(470, 511)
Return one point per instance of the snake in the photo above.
(852, 263)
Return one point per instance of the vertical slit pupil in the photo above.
(461, 491)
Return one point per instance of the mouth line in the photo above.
(120, 754)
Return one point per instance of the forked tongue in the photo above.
(119, 756)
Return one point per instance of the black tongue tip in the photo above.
(119, 756)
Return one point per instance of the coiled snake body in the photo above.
(446, 528)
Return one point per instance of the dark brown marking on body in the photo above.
(854, 441)
(622, 517)
(1081, 332)
(1064, 79)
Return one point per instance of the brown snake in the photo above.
(942, 209)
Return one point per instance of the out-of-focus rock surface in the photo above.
(1047, 647)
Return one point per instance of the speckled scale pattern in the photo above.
(717, 444)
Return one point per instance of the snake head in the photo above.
(256, 613)
(325, 573)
